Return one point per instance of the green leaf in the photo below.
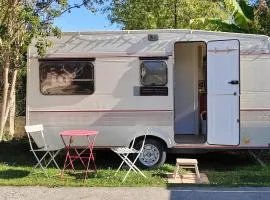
(247, 9)
(214, 24)
(3, 30)
(240, 19)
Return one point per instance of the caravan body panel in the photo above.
(117, 111)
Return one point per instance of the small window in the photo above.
(66, 77)
(154, 73)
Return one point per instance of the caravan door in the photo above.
(223, 88)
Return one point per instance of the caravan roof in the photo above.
(136, 43)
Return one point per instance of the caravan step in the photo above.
(186, 163)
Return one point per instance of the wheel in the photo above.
(153, 155)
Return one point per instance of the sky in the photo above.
(81, 19)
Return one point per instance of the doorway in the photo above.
(207, 92)
(190, 92)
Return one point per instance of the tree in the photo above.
(21, 22)
(137, 14)
(262, 15)
(246, 17)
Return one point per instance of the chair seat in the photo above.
(47, 148)
(124, 150)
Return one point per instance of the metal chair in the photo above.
(124, 152)
(35, 135)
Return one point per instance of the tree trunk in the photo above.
(12, 90)
(12, 116)
(4, 99)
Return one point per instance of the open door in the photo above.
(223, 88)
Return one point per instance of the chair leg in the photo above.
(41, 159)
(53, 155)
(126, 175)
(119, 168)
(39, 163)
(128, 162)
(124, 157)
(133, 166)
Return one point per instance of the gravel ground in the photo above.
(143, 193)
(67, 193)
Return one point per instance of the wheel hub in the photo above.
(150, 155)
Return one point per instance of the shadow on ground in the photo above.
(16, 153)
(219, 161)
(11, 174)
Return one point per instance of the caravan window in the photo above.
(66, 77)
(154, 73)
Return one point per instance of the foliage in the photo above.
(136, 14)
(246, 17)
(21, 92)
(23, 23)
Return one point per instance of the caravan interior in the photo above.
(190, 102)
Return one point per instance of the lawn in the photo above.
(222, 169)
(16, 169)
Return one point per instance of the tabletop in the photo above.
(78, 133)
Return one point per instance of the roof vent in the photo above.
(153, 37)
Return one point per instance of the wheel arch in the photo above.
(159, 139)
(156, 133)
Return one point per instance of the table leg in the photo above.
(79, 156)
(67, 157)
(91, 156)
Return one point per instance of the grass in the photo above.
(17, 176)
(222, 168)
(16, 164)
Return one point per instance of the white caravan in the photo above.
(192, 89)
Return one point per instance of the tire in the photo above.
(153, 155)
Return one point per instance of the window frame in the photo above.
(89, 61)
(162, 60)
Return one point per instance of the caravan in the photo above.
(192, 89)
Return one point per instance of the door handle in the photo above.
(234, 82)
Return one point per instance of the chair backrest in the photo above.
(143, 141)
(35, 132)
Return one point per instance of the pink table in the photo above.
(76, 152)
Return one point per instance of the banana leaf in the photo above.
(217, 24)
(247, 9)
(240, 19)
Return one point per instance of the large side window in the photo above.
(154, 73)
(66, 77)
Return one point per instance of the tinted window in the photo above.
(66, 77)
(153, 73)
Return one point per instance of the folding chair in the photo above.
(35, 134)
(124, 152)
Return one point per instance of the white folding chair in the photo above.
(124, 152)
(35, 133)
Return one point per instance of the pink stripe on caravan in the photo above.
(251, 109)
(255, 109)
(100, 110)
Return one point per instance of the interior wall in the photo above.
(186, 88)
